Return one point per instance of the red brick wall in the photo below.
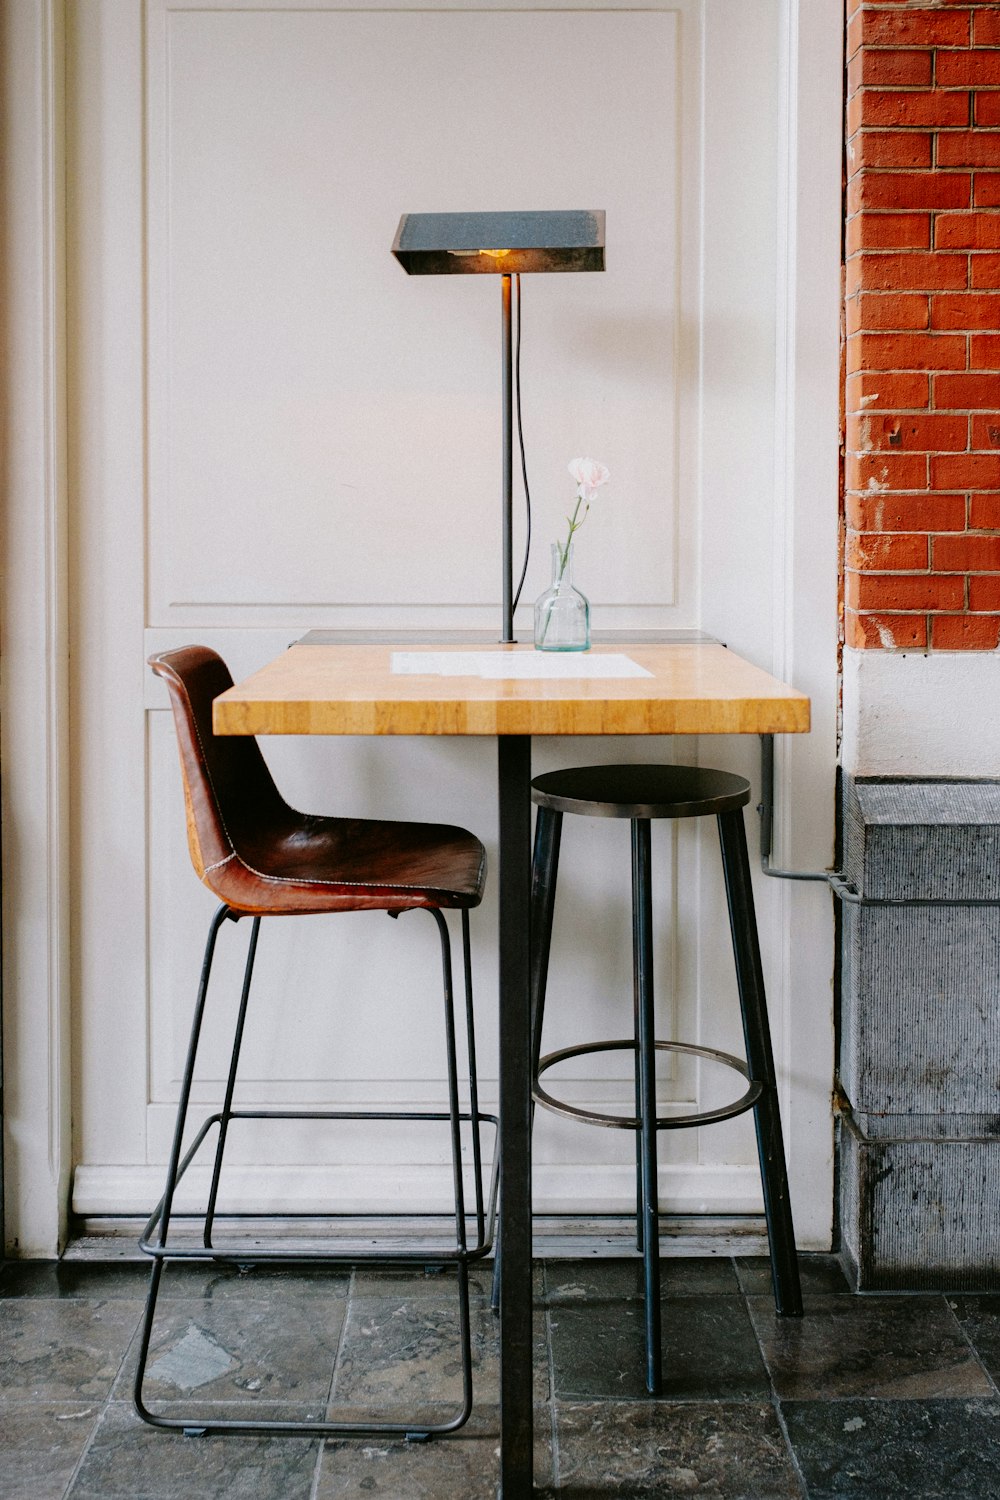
(922, 563)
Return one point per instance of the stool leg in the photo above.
(544, 868)
(637, 1035)
(642, 965)
(757, 1035)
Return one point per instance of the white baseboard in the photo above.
(566, 1237)
(374, 1190)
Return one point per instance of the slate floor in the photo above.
(867, 1397)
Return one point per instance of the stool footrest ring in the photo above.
(663, 1122)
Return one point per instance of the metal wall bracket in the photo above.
(766, 809)
(835, 879)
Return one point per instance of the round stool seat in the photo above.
(641, 791)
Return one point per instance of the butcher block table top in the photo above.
(351, 689)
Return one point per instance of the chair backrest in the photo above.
(229, 793)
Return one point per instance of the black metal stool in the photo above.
(641, 793)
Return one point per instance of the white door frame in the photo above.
(34, 724)
(34, 718)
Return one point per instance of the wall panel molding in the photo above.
(301, 387)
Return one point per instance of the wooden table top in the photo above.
(351, 689)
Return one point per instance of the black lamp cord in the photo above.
(520, 439)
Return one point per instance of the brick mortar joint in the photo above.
(975, 616)
(895, 574)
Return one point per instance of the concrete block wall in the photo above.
(919, 1056)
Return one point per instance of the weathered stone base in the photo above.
(920, 1214)
(919, 1057)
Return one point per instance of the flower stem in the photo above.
(574, 525)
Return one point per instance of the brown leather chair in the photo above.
(263, 859)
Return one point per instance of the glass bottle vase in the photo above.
(562, 613)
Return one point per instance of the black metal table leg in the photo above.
(640, 1217)
(757, 1034)
(642, 918)
(544, 866)
(514, 790)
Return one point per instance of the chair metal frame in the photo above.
(155, 1243)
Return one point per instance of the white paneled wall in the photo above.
(275, 428)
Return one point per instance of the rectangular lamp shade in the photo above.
(495, 244)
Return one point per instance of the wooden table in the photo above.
(351, 689)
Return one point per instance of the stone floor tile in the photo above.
(209, 1413)
(980, 1320)
(709, 1351)
(415, 1281)
(463, 1467)
(212, 1280)
(403, 1352)
(63, 1350)
(40, 1446)
(649, 1450)
(74, 1278)
(573, 1281)
(130, 1279)
(819, 1274)
(458, 1468)
(401, 1358)
(904, 1348)
(884, 1395)
(897, 1450)
(542, 1385)
(128, 1460)
(238, 1348)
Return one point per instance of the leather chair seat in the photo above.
(313, 864)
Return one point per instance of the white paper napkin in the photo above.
(514, 664)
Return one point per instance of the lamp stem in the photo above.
(507, 423)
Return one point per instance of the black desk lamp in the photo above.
(502, 245)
